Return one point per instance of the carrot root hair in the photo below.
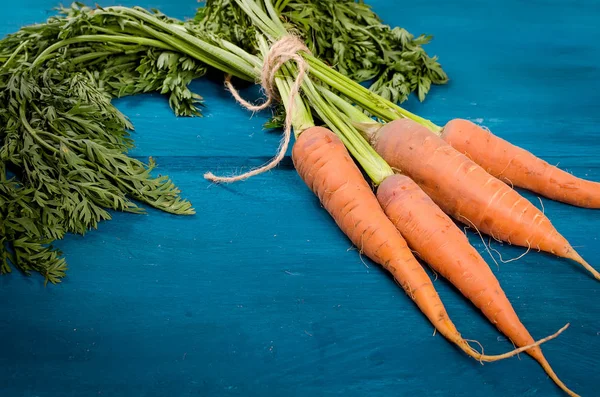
(481, 357)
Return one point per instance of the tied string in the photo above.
(287, 48)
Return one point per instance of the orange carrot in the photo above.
(519, 167)
(326, 167)
(467, 192)
(438, 241)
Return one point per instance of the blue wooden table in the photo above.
(259, 294)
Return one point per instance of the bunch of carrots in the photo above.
(424, 177)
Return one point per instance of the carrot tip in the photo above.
(577, 258)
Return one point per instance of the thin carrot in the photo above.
(326, 167)
(438, 241)
(518, 166)
(467, 192)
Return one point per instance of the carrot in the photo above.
(467, 192)
(439, 242)
(436, 239)
(324, 164)
(519, 167)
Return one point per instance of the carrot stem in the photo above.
(350, 110)
(47, 53)
(223, 59)
(387, 110)
(373, 164)
(366, 98)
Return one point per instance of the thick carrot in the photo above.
(465, 191)
(326, 167)
(438, 241)
(519, 167)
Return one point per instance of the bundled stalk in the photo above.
(345, 34)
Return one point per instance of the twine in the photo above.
(287, 48)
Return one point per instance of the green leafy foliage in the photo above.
(347, 35)
(63, 145)
(26, 229)
(170, 73)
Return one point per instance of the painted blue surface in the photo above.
(258, 294)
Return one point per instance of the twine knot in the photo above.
(285, 49)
